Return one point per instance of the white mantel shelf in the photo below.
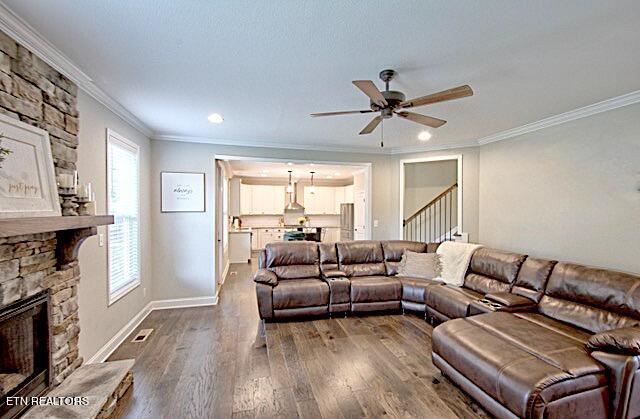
(33, 225)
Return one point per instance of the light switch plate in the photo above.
(101, 240)
(375, 223)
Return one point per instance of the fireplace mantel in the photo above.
(33, 225)
(71, 231)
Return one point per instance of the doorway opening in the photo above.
(262, 200)
(431, 199)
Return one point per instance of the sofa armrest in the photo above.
(334, 274)
(625, 340)
(622, 371)
(509, 300)
(265, 276)
(264, 295)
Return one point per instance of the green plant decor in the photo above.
(4, 152)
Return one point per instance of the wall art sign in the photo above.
(182, 192)
(27, 177)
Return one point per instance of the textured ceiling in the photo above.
(265, 65)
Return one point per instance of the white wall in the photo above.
(568, 192)
(99, 322)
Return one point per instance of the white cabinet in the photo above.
(246, 200)
(265, 236)
(261, 199)
(322, 202)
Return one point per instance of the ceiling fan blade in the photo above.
(371, 125)
(370, 89)
(455, 93)
(422, 119)
(340, 113)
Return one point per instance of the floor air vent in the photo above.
(142, 335)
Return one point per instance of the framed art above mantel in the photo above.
(182, 192)
(27, 177)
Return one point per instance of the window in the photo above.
(123, 180)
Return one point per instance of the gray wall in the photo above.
(99, 322)
(424, 181)
(569, 192)
(183, 262)
(470, 186)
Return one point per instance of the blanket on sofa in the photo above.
(455, 258)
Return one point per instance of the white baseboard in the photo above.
(113, 343)
(104, 352)
(225, 271)
(183, 303)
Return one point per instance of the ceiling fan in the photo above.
(390, 102)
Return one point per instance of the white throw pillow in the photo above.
(420, 265)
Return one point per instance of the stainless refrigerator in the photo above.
(346, 222)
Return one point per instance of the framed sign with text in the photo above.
(27, 179)
(182, 192)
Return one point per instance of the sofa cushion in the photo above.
(375, 288)
(532, 278)
(296, 293)
(420, 265)
(328, 257)
(415, 289)
(393, 251)
(361, 258)
(291, 260)
(452, 302)
(519, 363)
(591, 298)
(493, 270)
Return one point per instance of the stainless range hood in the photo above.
(293, 207)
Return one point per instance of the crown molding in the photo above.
(423, 148)
(23, 33)
(599, 107)
(268, 144)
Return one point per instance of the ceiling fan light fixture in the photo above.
(424, 136)
(215, 118)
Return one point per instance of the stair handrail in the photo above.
(432, 202)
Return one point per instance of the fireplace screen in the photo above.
(24, 350)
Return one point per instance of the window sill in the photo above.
(122, 292)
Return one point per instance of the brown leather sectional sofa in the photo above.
(526, 337)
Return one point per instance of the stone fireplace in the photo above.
(25, 357)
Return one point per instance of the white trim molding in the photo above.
(23, 33)
(403, 162)
(105, 352)
(604, 106)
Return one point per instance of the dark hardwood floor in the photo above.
(213, 362)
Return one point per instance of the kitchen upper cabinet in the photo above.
(323, 201)
(327, 199)
(261, 199)
(246, 198)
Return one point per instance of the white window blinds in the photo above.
(123, 203)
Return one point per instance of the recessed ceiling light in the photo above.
(312, 164)
(215, 118)
(289, 163)
(336, 174)
(424, 136)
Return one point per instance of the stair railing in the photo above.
(435, 222)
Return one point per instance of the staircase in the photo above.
(435, 222)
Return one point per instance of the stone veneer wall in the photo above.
(35, 93)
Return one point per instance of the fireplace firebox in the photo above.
(25, 356)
